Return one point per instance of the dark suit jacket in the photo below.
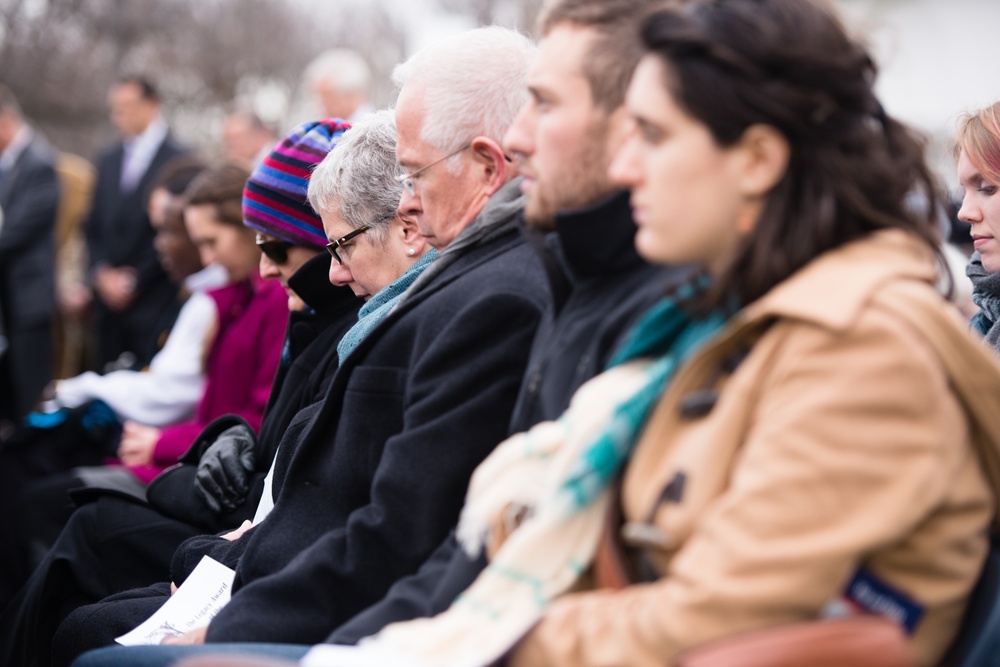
(375, 477)
(29, 196)
(119, 234)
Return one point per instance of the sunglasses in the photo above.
(276, 251)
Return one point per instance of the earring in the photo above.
(411, 252)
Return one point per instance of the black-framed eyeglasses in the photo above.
(339, 243)
(406, 180)
(276, 251)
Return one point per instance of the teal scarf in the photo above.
(668, 332)
(380, 305)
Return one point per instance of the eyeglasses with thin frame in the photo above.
(276, 251)
(407, 179)
(339, 243)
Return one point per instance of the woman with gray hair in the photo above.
(377, 251)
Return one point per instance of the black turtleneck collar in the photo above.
(598, 240)
(312, 283)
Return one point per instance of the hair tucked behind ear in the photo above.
(789, 64)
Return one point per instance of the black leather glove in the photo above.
(222, 479)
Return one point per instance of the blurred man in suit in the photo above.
(29, 197)
(130, 287)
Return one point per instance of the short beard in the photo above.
(583, 182)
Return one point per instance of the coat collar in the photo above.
(500, 215)
(832, 290)
(312, 283)
(598, 240)
(466, 262)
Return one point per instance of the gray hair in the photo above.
(473, 82)
(357, 179)
(344, 66)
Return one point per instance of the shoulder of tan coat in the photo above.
(972, 366)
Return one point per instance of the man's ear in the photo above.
(764, 153)
(410, 232)
(493, 166)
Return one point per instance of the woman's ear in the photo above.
(764, 155)
(491, 162)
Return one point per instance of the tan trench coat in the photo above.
(837, 443)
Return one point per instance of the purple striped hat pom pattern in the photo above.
(274, 199)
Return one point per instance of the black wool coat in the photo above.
(308, 364)
(375, 479)
(312, 347)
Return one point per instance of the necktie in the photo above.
(130, 168)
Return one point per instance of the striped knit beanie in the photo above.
(274, 199)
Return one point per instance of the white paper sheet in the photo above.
(196, 602)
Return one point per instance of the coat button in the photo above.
(534, 382)
(698, 403)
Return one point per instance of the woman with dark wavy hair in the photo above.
(977, 152)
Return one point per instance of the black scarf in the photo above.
(986, 295)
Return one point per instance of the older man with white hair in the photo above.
(373, 478)
(451, 115)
